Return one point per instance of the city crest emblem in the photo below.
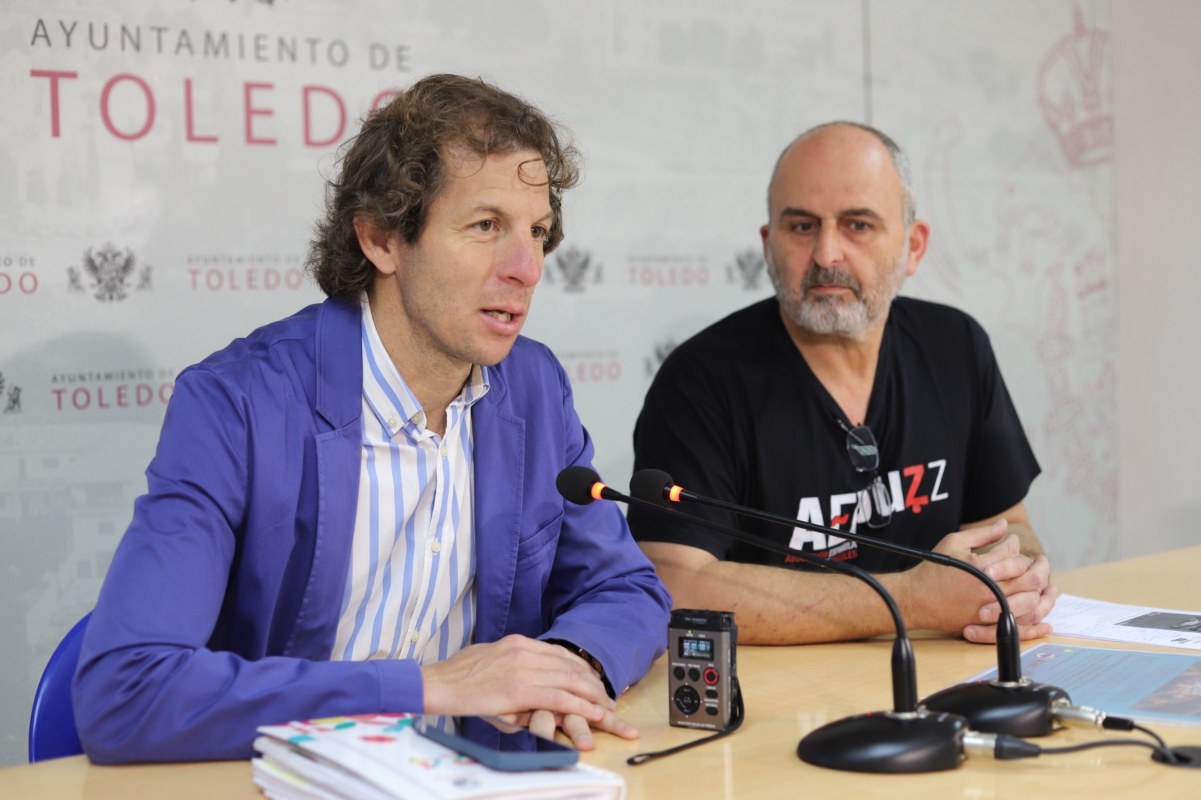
(110, 272)
(573, 266)
(748, 267)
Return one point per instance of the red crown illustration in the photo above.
(1075, 92)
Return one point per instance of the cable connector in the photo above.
(1119, 724)
(1071, 715)
(1000, 746)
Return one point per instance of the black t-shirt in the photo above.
(736, 414)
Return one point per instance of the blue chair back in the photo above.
(52, 732)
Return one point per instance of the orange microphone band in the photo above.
(673, 494)
(597, 488)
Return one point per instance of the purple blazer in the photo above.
(219, 610)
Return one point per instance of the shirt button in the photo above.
(393, 424)
(442, 450)
(436, 546)
(416, 636)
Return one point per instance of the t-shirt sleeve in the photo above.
(686, 429)
(1002, 465)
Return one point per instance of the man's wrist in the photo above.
(591, 660)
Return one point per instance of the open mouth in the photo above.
(502, 316)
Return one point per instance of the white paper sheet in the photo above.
(1096, 619)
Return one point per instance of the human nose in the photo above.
(828, 251)
(522, 261)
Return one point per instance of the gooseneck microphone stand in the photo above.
(1009, 704)
(906, 739)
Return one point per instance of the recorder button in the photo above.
(687, 700)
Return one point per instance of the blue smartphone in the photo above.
(549, 755)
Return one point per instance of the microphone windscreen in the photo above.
(651, 485)
(575, 484)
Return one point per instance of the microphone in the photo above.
(906, 739)
(1010, 704)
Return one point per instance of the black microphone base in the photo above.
(1022, 708)
(1182, 756)
(887, 741)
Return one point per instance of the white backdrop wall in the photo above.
(1158, 175)
(161, 163)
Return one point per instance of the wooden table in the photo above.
(789, 691)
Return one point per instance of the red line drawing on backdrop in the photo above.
(1040, 239)
(1079, 369)
(1075, 91)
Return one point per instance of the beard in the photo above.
(827, 315)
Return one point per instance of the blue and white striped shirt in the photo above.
(411, 588)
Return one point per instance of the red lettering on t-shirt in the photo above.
(914, 501)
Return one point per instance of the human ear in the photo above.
(380, 247)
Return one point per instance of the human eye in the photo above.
(859, 225)
(802, 226)
(540, 232)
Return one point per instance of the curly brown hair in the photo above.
(394, 168)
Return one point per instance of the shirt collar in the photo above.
(390, 399)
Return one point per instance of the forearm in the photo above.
(601, 593)
(780, 606)
(175, 704)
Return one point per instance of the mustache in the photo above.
(825, 276)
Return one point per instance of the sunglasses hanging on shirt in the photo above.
(874, 498)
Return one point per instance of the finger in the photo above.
(585, 685)
(1035, 631)
(980, 634)
(1023, 605)
(1003, 568)
(578, 731)
(555, 691)
(617, 726)
(585, 669)
(507, 723)
(559, 701)
(1050, 595)
(1043, 605)
(537, 685)
(579, 677)
(1034, 578)
(973, 538)
(1037, 574)
(987, 634)
(1027, 608)
(542, 723)
(514, 676)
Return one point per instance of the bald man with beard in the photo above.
(842, 404)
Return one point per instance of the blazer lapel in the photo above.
(499, 482)
(338, 400)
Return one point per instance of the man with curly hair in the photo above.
(353, 510)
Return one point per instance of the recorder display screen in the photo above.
(699, 649)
